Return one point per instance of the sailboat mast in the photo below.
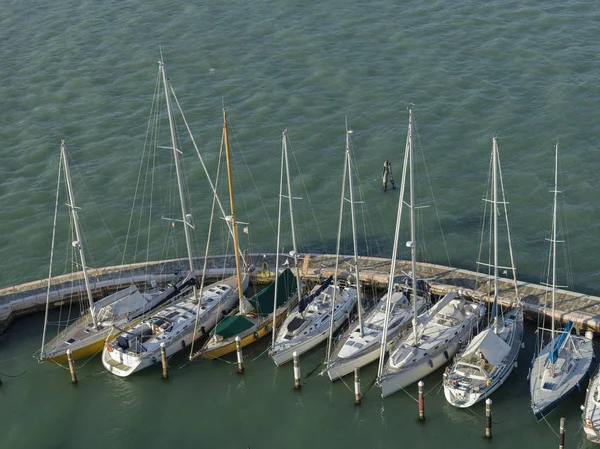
(232, 204)
(79, 243)
(554, 236)
(354, 242)
(289, 189)
(495, 214)
(388, 304)
(337, 259)
(278, 241)
(176, 152)
(413, 234)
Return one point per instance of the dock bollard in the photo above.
(297, 384)
(488, 418)
(421, 384)
(71, 367)
(163, 358)
(357, 394)
(238, 346)
(561, 444)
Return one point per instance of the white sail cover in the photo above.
(493, 348)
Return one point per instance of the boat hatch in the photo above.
(295, 324)
(70, 341)
(170, 315)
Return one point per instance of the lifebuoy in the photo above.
(109, 347)
(587, 422)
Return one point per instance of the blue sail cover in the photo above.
(559, 342)
(422, 286)
(304, 302)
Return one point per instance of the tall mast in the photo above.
(358, 299)
(290, 198)
(284, 159)
(231, 202)
(278, 240)
(554, 236)
(337, 260)
(79, 242)
(495, 214)
(388, 304)
(176, 152)
(413, 234)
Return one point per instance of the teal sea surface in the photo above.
(526, 71)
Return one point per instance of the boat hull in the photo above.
(340, 367)
(392, 382)
(247, 337)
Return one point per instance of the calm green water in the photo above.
(85, 70)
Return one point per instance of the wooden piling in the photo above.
(238, 346)
(297, 384)
(163, 358)
(421, 384)
(561, 444)
(357, 393)
(488, 418)
(71, 367)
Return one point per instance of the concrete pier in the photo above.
(24, 299)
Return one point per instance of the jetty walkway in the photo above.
(24, 299)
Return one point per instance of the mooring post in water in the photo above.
(238, 346)
(71, 366)
(163, 358)
(488, 418)
(421, 384)
(357, 394)
(387, 175)
(561, 444)
(297, 384)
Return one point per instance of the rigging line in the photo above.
(437, 214)
(434, 387)
(253, 181)
(312, 209)
(551, 428)
(95, 207)
(13, 377)
(51, 257)
(512, 258)
(210, 225)
(139, 177)
(410, 395)
(259, 355)
(213, 187)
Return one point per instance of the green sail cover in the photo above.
(286, 287)
(232, 325)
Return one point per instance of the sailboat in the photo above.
(362, 344)
(563, 364)
(258, 316)
(436, 334)
(490, 357)
(86, 336)
(591, 409)
(328, 305)
(173, 326)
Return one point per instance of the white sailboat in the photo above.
(328, 306)
(361, 344)
(86, 336)
(591, 409)
(269, 306)
(491, 356)
(563, 364)
(436, 334)
(174, 326)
